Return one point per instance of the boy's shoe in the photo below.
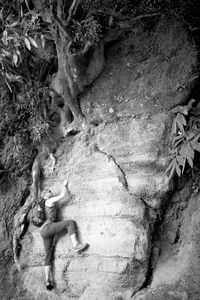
(81, 247)
(49, 285)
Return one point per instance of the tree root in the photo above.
(76, 126)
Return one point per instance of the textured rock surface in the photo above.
(9, 204)
(176, 275)
(147, 72)
(116, 175)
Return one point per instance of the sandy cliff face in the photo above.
(116, 175)
(176, 274)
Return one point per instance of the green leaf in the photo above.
(15, 59)
(190, 134)
(110, 21)
(33, 42)
(170, 157)
(170, 169)
(189, 105)
(177, 143)
(1, 14)
(178, 138)
(190, 151)
(195, 145)
(27, 4)
(183, 151)
(14, 24)
(181, 119)
(7, 53)
(27, 43)
(172, 172)
(178, 170)
(189, 154)
(173, 151)
(21, 11)
(5, 37)
(170, 165)
(181, 160)
(19, 55)
(180, 126)
(183, 165)
(12, 77)
(8, 85)
(197, 137)
(190, 161)
(174, 127)
(43, 41)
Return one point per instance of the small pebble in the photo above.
(111, 110)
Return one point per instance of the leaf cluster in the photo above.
(185, 138)
(84, 34)
(22, 28)
(23, 100)
(24, 123)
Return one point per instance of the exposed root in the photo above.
(76, 126)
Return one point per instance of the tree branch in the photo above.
(125, 24)
(59, 8)
(72, 10)
(61, 25)
(119, 17)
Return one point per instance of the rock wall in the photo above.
(176, 274)
(10, 199)
(116, 175)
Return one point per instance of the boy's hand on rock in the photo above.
(65, 182)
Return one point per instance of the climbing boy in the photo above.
(51, 228)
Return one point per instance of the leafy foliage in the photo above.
(24, 96)
(15, 37)
(25, 123)
(23, 99)
(85, 34)
(21, 30)
(185, 138)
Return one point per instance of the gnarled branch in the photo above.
(73, 9)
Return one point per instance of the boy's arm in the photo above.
(51, 201)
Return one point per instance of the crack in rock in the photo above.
(122, 178)
(152, 259)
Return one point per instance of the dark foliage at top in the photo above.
(25, 26)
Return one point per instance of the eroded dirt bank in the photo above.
(117, 178)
